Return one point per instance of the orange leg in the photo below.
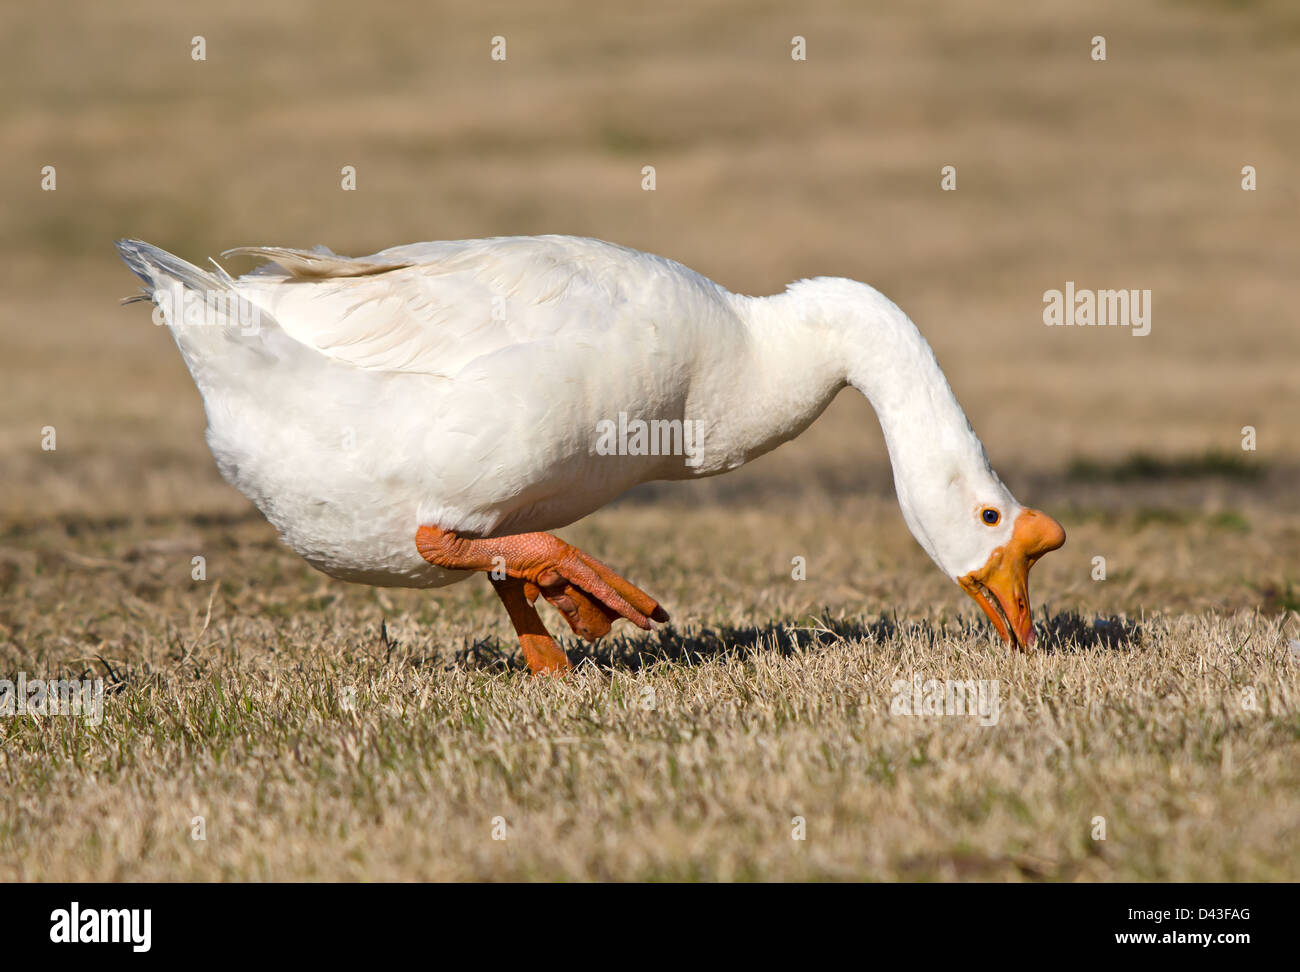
(589, 595)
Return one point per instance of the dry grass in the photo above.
(685, 755)
(680, 756)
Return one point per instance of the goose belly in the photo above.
(347, 466)
(351, 526)
(347, 490)
(338, 485)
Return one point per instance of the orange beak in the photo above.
(1001, 586)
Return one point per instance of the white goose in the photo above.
(406, 418)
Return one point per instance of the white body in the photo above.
(465, 387)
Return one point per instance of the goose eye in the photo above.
(990, 516)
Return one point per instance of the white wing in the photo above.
(433, 308)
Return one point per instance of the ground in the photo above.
(309, 729)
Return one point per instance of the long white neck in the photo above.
(825, 333)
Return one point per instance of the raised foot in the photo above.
(589, 595)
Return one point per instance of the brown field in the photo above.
(327, 731)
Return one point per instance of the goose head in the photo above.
(1001, 585)
(977, 533)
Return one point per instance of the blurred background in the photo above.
(1125, 173)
